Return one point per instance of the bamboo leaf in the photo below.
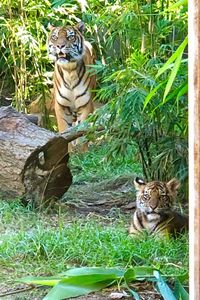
(172, 58)
(177, 5)
(172, 76)
(182, 91)
(152, 93)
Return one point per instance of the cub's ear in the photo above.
(81, 26)
(173, 185)
(138, 183)
(50, 27)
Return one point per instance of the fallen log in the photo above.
(33, 160)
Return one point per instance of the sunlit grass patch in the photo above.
(46, 250)
(95, 165)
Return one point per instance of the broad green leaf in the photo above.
(163, 288)
(64, 290)
(47, 281)
(139, 273)
(130, 275)
(172, 76)
(93, 271)
(174, 56)
(77, 274)
(143, 272)
(180, 292)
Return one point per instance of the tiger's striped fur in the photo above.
(154, 208)
(72, 81)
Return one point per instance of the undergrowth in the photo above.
(48, 244)
(96, 165)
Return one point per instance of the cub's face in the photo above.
(155, 196)
(65, 44)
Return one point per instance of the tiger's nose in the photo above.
(61, 46)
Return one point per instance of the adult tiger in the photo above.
(73, 83)
(154, 208)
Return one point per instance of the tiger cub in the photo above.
(73, 83)
(154, 208)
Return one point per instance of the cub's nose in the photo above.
(153, 204)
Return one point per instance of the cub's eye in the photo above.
(54, 37)
(146, 194)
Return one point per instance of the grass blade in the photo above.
(134, 294)
(163, 288)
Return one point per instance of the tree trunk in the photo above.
(33, 160)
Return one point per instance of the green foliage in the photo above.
(159, 131)
(46, 244)
(94, 165)
(24, 62)
(141, 70)
(22, 48)
(82, 281)
(145, 87)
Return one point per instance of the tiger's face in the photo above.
(156, 196)
(66, 44)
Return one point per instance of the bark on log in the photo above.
(33, 160)
(32, 118)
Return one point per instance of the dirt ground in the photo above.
(146, 291)
(105, 200)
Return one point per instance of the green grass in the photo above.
(42, 247)
(95, 164)
(37, 243)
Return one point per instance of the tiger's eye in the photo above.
(54, 37)
(71, 37)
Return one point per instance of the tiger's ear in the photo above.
(81, 26)
(138, 183)
(50, 27)
(173, 185)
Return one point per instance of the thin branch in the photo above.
(74, 133)
(18, 291)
